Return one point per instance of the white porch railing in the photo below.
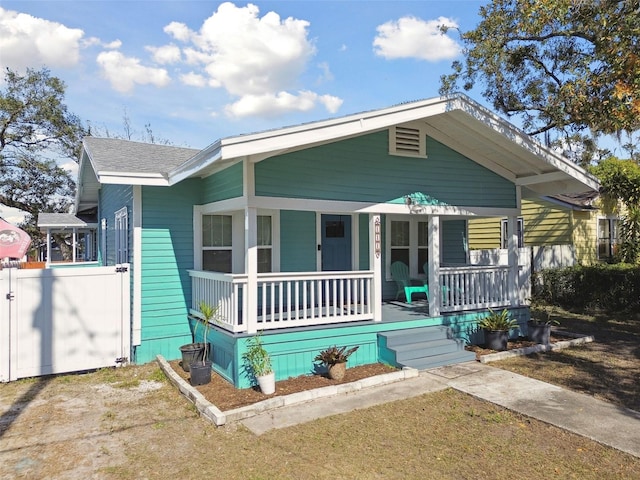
(474, 287)
(285, 299)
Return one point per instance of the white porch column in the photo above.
(48, 247)
(375, 264)
(251, 267)
(435, 297)
(75, 244)
(512, 255)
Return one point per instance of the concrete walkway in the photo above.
(582, 414)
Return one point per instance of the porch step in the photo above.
(422, 348)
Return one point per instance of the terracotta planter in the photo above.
(337, 371)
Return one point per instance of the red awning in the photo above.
(14, 242)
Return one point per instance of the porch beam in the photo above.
(434, 266)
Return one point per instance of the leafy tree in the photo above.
(560, 65)
(620, 180)
(35, 130)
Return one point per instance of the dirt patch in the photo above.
(225, 396)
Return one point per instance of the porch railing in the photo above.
(474, 287)
(285, 299)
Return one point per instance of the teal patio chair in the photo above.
(400, 274)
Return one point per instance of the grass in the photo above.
(608, 368)
(156, 434)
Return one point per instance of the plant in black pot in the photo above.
(335, 359)
(539, 326)
(258, 364)
(496, 327)
(200, 368)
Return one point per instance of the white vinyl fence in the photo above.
(547, 256)
(63, 320)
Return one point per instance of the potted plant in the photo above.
(200, 368)
(539, 326)
(258, 364)
(496, 328)
(335, 359)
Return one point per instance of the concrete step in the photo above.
(415, 335)
(426, 363)
(423, 348)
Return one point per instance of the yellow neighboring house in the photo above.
(583, 221)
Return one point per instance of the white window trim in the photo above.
(414, 271)
(121, 236)
(503, 228)
(237, 237)
(613, 230)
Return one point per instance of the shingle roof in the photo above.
(115, 155)
(60, 220)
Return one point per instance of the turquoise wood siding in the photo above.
(360, 169)
(167, 254)
(223, 185)
(298, 248)
(454, 240)
(113, 198)
(363, 224)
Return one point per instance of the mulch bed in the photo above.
(225, 396)
(520, 342)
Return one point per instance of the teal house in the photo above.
(293, 232)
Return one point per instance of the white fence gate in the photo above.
(63, 320)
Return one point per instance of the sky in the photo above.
(196, 71)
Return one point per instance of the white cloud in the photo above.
(193, 79)
(125, 72)
(12, 215)
(27, 41)
(257, 59)
(166, 54)
(411, 37)
(326, 75)
(269, 104)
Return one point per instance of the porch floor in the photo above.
(399, 311)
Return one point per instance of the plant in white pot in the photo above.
(200, 368)
(496, 327)
(335, 359)
(258, 364)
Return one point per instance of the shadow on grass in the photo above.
(21, 403)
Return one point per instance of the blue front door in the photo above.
(336, 242)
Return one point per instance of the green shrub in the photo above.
(606, 287)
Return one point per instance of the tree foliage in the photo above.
(36, 129)
(620, 180)
(561, 65)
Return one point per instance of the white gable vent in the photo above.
(407, 141)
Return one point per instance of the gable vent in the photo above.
(407, 141)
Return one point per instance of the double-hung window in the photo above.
(265, 244)
(408, 242)
(217, 243)
(122, 236)
(607, 237)
(504, 237)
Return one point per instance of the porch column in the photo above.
(512, 255)
(75, 245)
(48, 247)
(375, 264)
(435, 297)
(251, 267)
